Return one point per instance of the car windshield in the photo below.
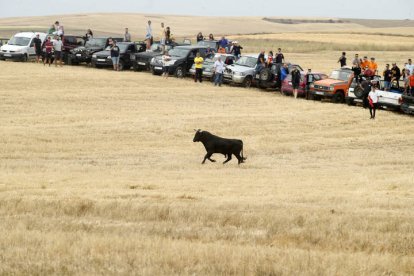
(340, 75)
(19, 41)
(155, 47)
(122, 47)
(247, 61)
(93, 42)
(207, 43)
(178, 52)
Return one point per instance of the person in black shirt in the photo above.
(236, 51)
(395, 74)
(309, 80)
(115, 55)
(200, 37)
(342, 59)
(37, 43)
(280, 58)
(387, 77)
(295, 81)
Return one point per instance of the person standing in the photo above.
(115, 55)
(37, 42)
(200, 37)
(218, 71)
(199, 68)
(295, 81)
(148, 35)
(48, 50)
(269, 61)
(261, 62)
(280, 58)
(309, 81)
(342, 59)
(395, 74)
(162, 37)
(356, 68)
(167, 36)
(373, 101)
(411, 83)
(166, 58)
(88, 35)
(373, 66)
(410, 67)
(57, 47)
(127, 36)
(387, 77)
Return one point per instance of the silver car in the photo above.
(208, 65)
(242, 71)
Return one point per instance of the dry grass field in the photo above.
(99, 174)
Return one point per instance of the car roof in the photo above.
(28, 34)
(191, 47)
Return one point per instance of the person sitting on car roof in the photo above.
(236, 51)
(373, 65)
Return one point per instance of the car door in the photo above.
(190, 59)
(132, 49)
(31, 51)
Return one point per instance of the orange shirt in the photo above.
(411, 78)
(365, 63)
(221, 51)
(373, 66)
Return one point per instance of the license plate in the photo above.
(319, 93)
(7, 55)
(78, 55)
(141, 63)
(101, 59)
(411, 107)
(157, 68)
(257, 76)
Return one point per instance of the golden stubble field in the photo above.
(99, 175)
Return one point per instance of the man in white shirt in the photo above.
(410, 67)
(127, 36)
(57, 47)
(148, 35)
(373, 101)
(218, 71)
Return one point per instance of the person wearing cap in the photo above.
(342, 59)
(373, 66)
(387, 77)
(395, 75)
(37, 42)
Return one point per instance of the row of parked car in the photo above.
(339, 86)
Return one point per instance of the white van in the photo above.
(20, 46)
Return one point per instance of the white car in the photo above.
(242, 71)
(387, 99)
(20, 46)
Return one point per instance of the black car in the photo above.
(84, 53)
(103, 58)
(269, 77)
(213, 44)
(141, 61)
(182, 58)
(407, 105)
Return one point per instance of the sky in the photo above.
(374, 9)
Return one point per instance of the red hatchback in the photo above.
(287, 83)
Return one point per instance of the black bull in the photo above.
(215, 144)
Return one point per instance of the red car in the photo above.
(287, 83)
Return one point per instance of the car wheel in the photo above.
(265, 75)
(359, 92)
(339, 97)
(25, 58)
(179, 72)
(247, 82)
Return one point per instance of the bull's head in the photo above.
(197, 135)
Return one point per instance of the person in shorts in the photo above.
(37, 42)
(57, 47)
(115, 55)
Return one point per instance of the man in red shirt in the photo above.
(49, 48)
(411, 83)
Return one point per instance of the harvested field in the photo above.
(99, 175)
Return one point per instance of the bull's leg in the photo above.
(239, 158)
(208, 155)
(228, 158)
